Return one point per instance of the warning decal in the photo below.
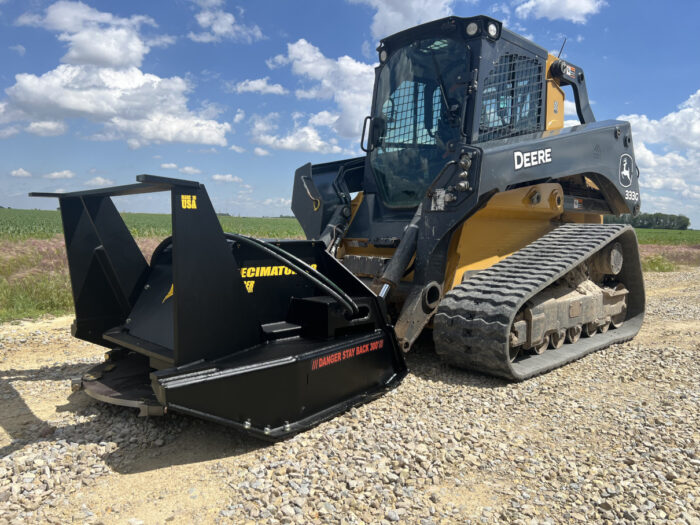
(348, 353)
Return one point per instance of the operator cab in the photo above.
(426, 91)
(415, 116)
(442, 90)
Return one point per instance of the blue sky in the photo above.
(239, 94)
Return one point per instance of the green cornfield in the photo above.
(34, 272)
(668, 237)
(44, 224)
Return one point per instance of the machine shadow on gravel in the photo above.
(20, 421)
(188, 440)
(174, 439)
(185, 439)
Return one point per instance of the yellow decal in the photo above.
(189, 202)
(169, 294)
(251, 272)
(248, 272)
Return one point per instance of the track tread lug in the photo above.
(472, 324)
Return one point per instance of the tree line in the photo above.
(655, 221)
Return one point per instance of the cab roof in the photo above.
(456, 27)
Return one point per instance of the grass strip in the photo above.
(658, 263)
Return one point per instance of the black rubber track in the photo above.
(472, 324)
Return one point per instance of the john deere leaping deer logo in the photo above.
(625, 170)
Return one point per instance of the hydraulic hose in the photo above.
(296, 260)
(294, 263)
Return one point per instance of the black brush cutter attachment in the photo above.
(268, 337)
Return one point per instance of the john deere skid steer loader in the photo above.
(474, 215)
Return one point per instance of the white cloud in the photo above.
(281, 201)
(99, 181)
(169, 166)
(101, 81)
(570, 108)
(98, 93)
(367, 51)
(260, 152)
(209, 4)
(47, 128)
(64, 174)
(237, 149)
(323, 118)
(570, 111)
(220, 25)
(227, 178)
(263, 125)
(392, 16)
(189, 170)
(210, 110)
(501, 10)
(277, 61)
(130, 103)
(110, 47)
(345, 80)
(303, 137)
(240, 115)
(503, 13)
(667, 151)
(19, 49)
(8, 132)
(576, 11)
(93, 37)
(20, 172)
(159, 127)
(72, 17)
(161, 41)
(555, 52)
(679, 129)
(259, 85)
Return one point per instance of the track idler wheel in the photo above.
(573, 334)
(540, 348)
(556, 339)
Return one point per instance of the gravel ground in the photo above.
(613, 437)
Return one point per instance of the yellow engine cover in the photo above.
(510, 221)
